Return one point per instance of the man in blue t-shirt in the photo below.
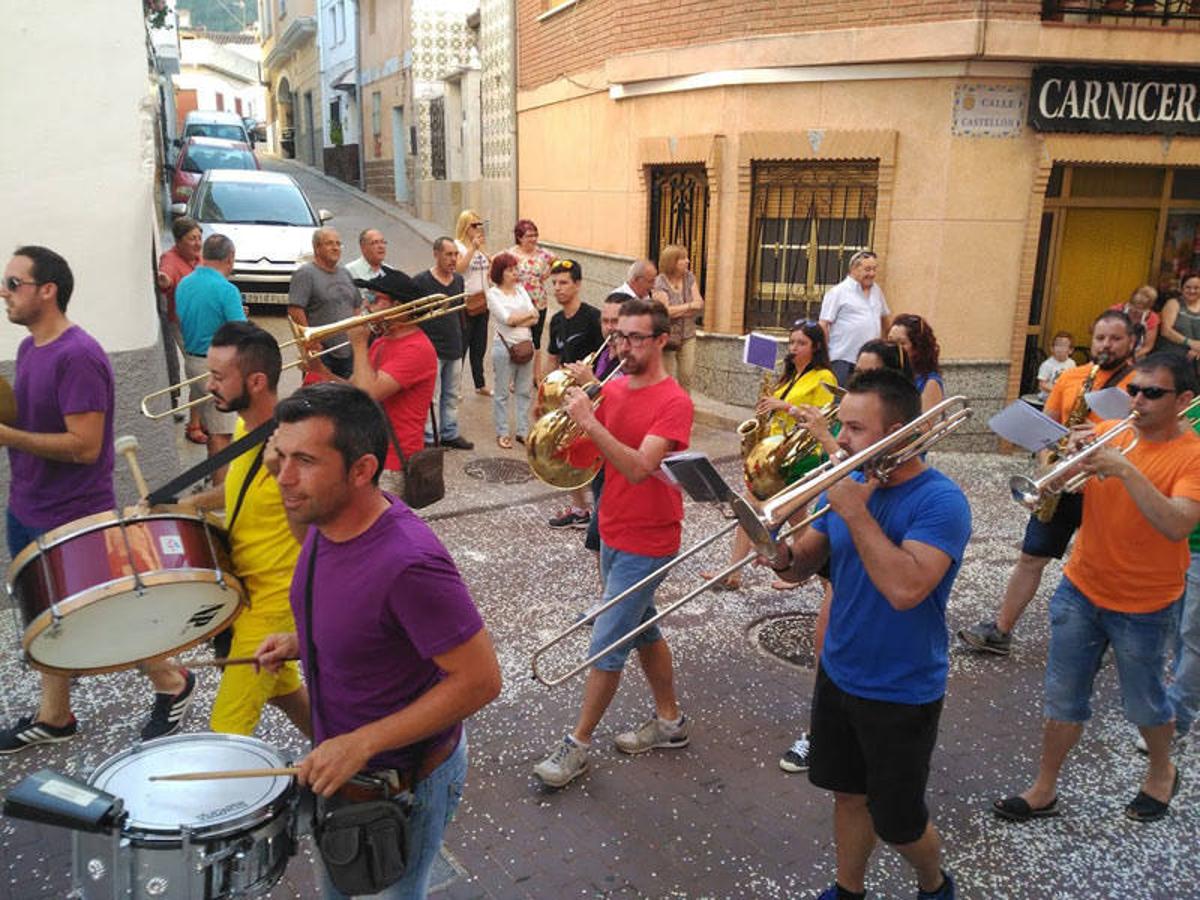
(894, 550)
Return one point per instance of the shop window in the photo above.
(1116, 181)
(679, 214)
(1186, 185)
(806, 220)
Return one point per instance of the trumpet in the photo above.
(555, 384)
(548, 447)
(768, 525)
(414, 312)
(1033, 492)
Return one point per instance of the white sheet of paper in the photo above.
(1110, 403)
(1021, 424)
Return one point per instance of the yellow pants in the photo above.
(243, 691)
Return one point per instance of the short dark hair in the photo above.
(570, 266)
(50, 268)
(1182, 374)
(899, 396)
(1116, 315)
(182, 227)
(500, 262)
(616, 297)
(257, 349)
(438, 241)
(636, 306)
(359, 426)
(217, 247)
(891, 354)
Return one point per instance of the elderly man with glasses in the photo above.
(853, 312)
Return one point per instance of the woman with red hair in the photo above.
(917, 340)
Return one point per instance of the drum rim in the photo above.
(254, 818)
(86, 525)
(98, 592)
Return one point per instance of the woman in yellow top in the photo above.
(803, 387)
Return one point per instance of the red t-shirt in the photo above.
(176, 268)
(644, 518)
(412, 362)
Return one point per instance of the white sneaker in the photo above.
(565, 763)
(796, 757)
(654, 735)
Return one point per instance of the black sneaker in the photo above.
(987, 638)
(458, 443)
(796, 757)
(167, 715)
(28, 733)
(571, 518)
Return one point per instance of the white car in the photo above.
(269, 220)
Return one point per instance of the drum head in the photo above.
(208, 807)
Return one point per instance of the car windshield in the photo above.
(254, 204)
(215, 130)
(201, 159)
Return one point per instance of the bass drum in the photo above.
(110, 591)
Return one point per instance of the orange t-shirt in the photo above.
(1121, 561)
(1066, 390)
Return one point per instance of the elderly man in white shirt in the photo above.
(854, 312)
(639, 282)
(373, 248)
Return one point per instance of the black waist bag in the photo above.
(364, 845)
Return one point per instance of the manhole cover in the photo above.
(788, 637)
(499, 470)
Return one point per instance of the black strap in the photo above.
(254, 467)
(169, 492)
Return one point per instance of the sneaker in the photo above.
(458, 443)
(1178, 743)
(833, 892)
(28, 733)
(654, 735)
(571, 518)
(987, 638)
(564, 764)
(167, 714)
(796, 758)
(945, 892)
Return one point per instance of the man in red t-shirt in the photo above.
(398, 370)
(642, 418)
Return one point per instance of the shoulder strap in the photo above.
(250, 474)
(169, 492)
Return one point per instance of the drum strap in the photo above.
(169, 492)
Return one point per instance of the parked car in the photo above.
(215, 123)
(269, 220)
(199, 154)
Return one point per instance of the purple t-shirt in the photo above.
(383, 605)
(69, 375)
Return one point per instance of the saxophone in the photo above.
(1078, 415)
(751, 431)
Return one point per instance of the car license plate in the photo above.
(264, 297)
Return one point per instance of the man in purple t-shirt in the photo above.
(61, 454)
(394, 651)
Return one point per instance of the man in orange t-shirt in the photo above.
(1122, 586)
(1112, 357)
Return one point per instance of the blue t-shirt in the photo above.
(921, 380)
(873, 650)
(205, 301)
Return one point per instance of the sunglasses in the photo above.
(13, 283)
(1151, 392)
(563, 265)
(804, 323)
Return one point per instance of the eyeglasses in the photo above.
(13, 283)
(634, 338)
(1151, 392)
(861, 255)
(477, 224)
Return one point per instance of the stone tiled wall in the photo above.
(441, 42)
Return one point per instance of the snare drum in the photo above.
(109, 591)
(190, 840)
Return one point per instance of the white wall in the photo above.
(77, 175)
(338, 54)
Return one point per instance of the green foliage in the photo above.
(221, 15)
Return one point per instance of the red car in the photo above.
(199, 154)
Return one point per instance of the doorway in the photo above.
(399, 154)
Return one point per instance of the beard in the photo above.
(1109, 361)
(235, 404)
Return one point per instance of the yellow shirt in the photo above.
(264, 550)
(807, 390)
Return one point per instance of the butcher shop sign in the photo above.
(1128, 100)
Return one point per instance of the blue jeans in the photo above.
(521, 378)
(447, 392)
(1081, 632)
(1184, 691)
(621, 570)
(435, 799)
(19, 534)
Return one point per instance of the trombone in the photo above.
(767, 523)
(422, 310)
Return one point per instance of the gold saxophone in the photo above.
(1044, 511)
(751, 431)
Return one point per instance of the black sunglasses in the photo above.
(1151, 392)
(13, 283)
(804, 323)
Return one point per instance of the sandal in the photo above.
(1017, 809)
(1145, 808)
(504, 441)
(196, 434)
(728, 583)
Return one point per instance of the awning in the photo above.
(346, 81)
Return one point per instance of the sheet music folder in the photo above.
(697, 477)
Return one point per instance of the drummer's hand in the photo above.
(276, 649)
(334, 762)
(580, 373)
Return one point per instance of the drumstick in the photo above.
(127, 445)
(221, 661)
(228, 773)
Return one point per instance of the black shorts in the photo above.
(592, 539)
(875, 748)
(1051, 539)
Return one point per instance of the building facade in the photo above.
(337, 30)
(292, 73)
(776, 139)
(219, 71)
(387, 111)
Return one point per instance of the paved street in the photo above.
(718, 819)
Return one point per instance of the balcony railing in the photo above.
(1169, 13)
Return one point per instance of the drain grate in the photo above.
(787, 637)
(499, 470)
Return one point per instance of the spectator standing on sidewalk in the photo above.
(533, 268)
(853, 312)
(372, 246)
(173, 266)
(473, 264)
(675, 279)
(446, 332)
(514, 314)
(322, 292)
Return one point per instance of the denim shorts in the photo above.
(620, 570)
(1081, 632)
(1051, 539)
(18, 533)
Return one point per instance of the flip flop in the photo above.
(1145, 808)
(1017, 809)
(504, 441)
